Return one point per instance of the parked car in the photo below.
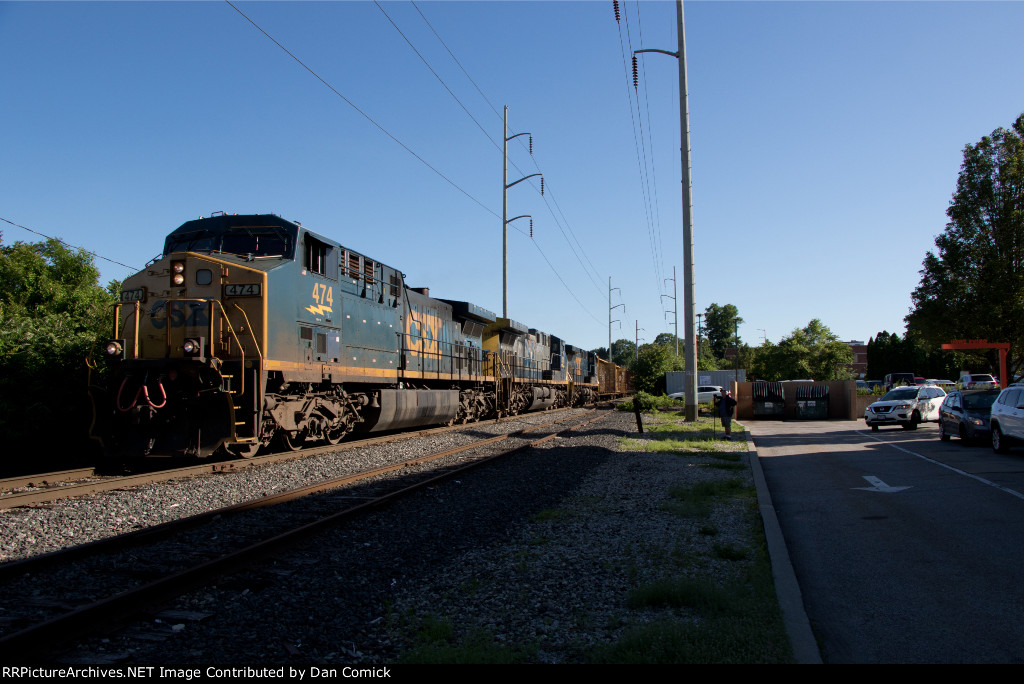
(1007, 418)
(976, 381)
(897, 379)
(966, 414)
(905, 406)
(705, 393)
(947, 385)
(872, 384)
(708, 393)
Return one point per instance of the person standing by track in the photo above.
(726, 404)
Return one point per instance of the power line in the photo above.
(436, 75)
(641, 166)
(589, 313)
(456, 60)
(403, 145)
(650, 138)
(81, 249)
(362, 113)
(514, 165)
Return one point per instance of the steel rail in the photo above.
(34, 641)
(38, 496)
(45, 479)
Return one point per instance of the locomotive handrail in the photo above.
(249, 325)
(210, 303)
(446, 350)
(117, 323)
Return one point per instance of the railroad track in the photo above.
(141, 569)
(50, 487)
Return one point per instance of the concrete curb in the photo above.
(805, 647)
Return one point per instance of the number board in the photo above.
(138, 295)
(242, 290)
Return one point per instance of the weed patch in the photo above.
(730, 552)
(478, 647)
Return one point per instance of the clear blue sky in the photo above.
(826, 141)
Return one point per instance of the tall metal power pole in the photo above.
(610, 307)
(505, 220)
(689, 304)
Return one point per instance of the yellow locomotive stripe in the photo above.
(394, 375)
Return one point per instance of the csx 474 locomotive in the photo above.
(253, 329)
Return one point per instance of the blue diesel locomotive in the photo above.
(250, 330)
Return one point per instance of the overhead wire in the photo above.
(66, 244)
(388, 133)
(494, 109)
(362, 113)
(647, 166)
(654, 167)
(625, 43)
(454, 58)
(436, 75)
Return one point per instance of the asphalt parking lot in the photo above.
(906, 549)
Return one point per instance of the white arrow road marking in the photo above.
(879, 486)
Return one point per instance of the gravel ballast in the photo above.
(535, 554)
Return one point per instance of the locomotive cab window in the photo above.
(317, 257)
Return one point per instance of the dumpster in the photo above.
(768, 399)
(812, 402)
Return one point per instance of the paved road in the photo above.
(907, 549)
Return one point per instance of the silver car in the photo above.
(705, 394)
(1007, 418)
(906, 406)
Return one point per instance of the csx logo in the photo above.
(178, 313)
(425, 332)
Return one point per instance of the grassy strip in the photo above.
(735, 622)
(714, 601)
(672, 434)
(708, 619)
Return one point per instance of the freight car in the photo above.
(250, 330)
(613, 380)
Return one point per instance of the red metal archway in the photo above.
(1003, 348)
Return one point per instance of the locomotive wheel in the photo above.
(293, 443)
(244, 450)
(334, 435)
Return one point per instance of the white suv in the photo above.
(906, 407)
(1007, 418)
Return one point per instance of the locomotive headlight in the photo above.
(177, 273)
(115, 349)
(193, 347)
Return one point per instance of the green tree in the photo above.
(53, 314)
(669, 340)
(705, 355)
(720, 324)
(974, 285)
(889, 353)
(813, 352)
(649, 370)
(624, 352)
